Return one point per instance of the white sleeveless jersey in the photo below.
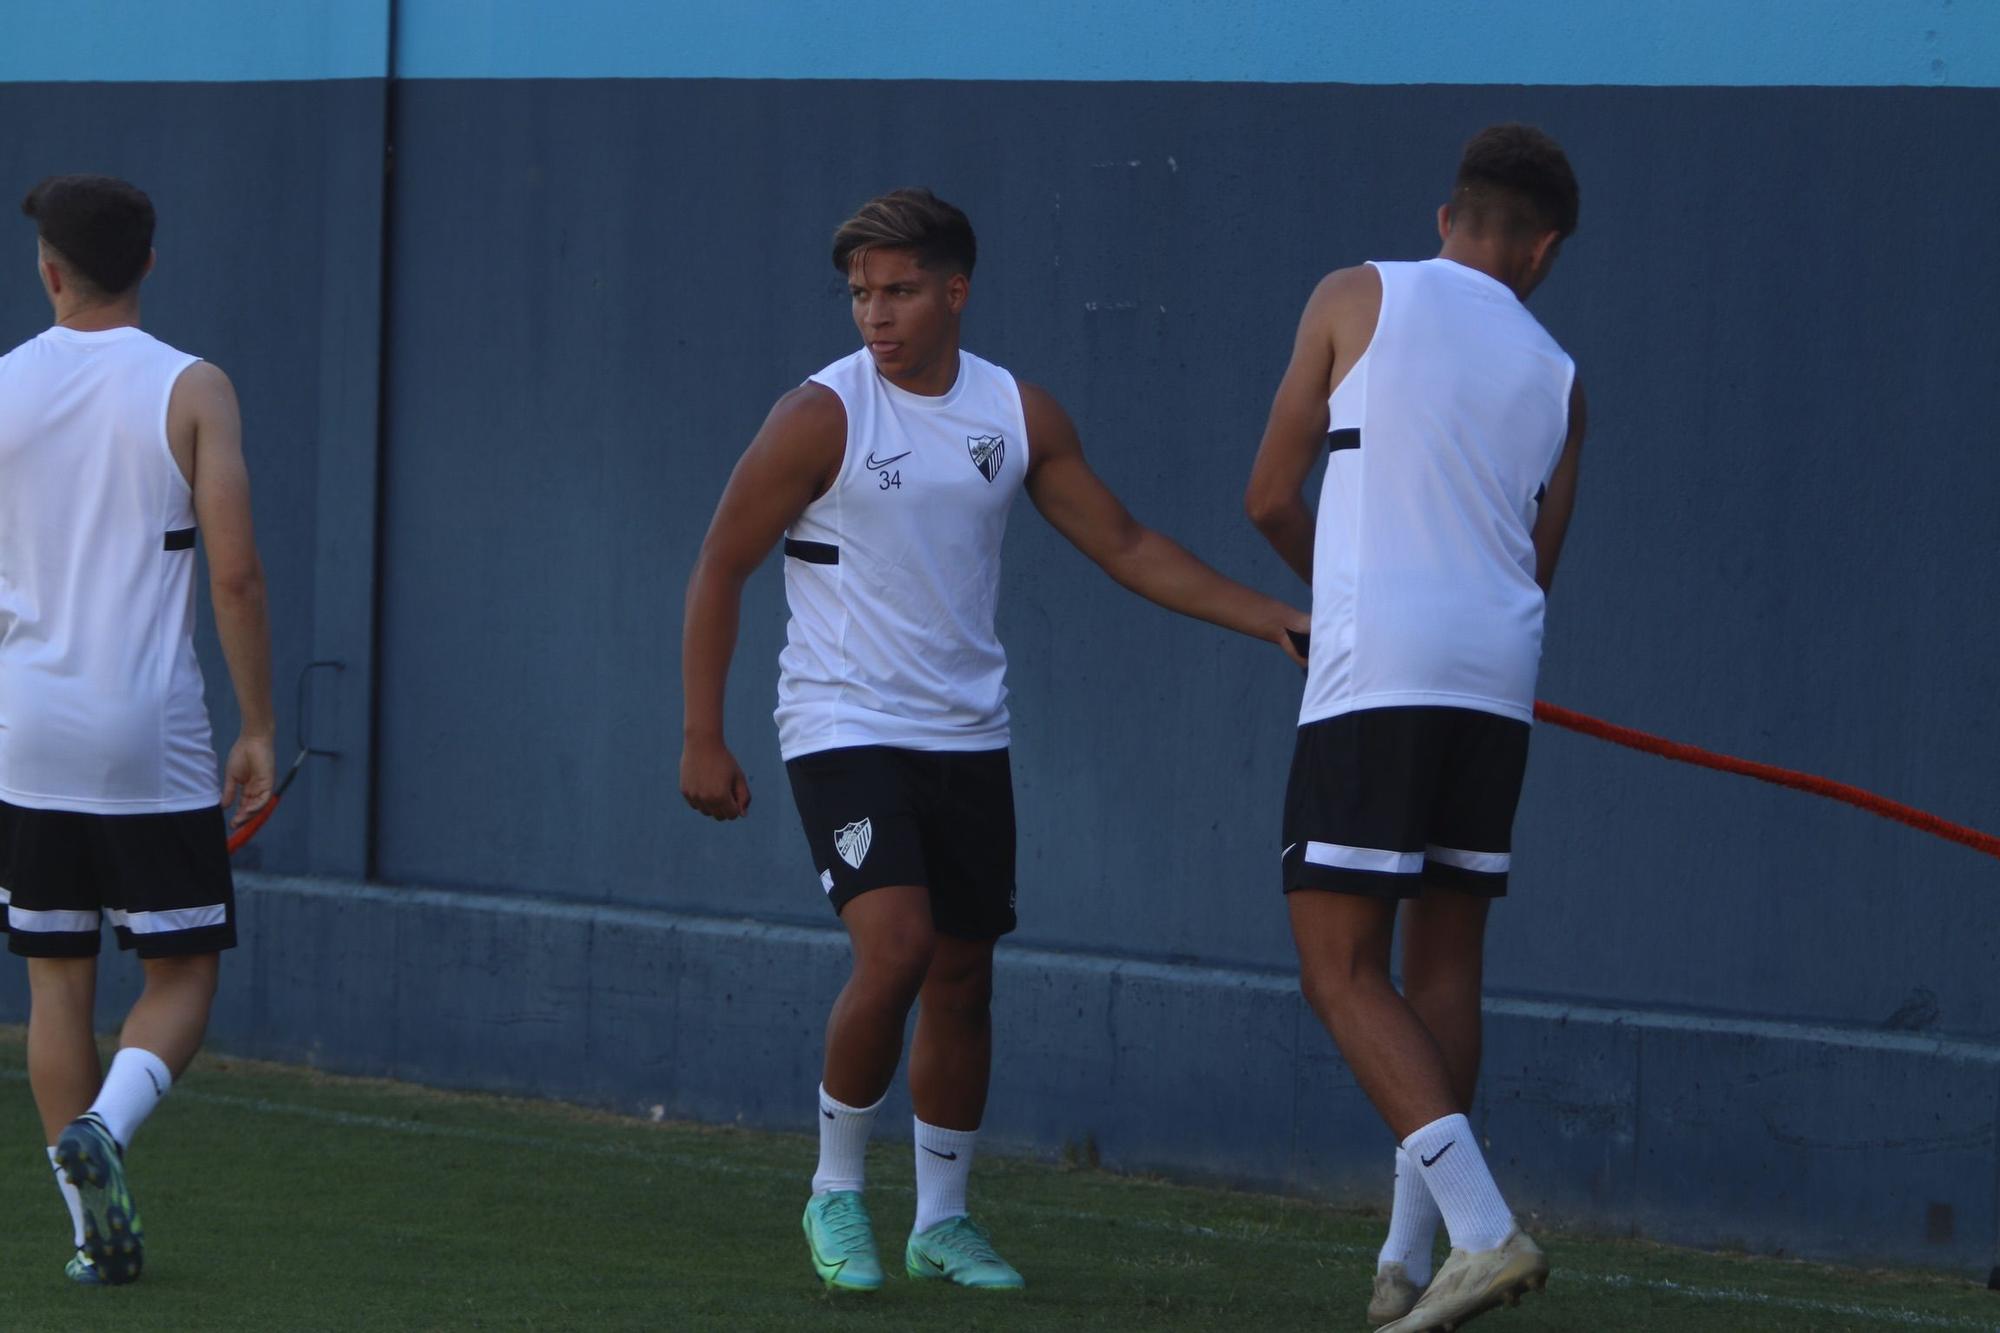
(100, 695)
(893, 575)
(1442, 440)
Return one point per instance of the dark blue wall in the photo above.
(1787, 546)
(270, 205)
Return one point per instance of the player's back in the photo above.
(1442, 440)
(101, 704)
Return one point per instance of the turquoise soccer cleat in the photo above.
(81, 1271)
(113, 1240)
(958, 1250)
(842, 1241)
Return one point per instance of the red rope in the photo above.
(1783, 777)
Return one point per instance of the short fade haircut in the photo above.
(1518, 178)
(100, 225)
(908, 219)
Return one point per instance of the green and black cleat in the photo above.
(113, 1240)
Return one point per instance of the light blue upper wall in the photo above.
(1942, 43)
(193, 41)
(1660, 42)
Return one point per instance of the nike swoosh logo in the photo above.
(932, 1262)
(1288, 850)
(833, 1267)
(874, 462)
(828, 1114)
(948, 1156)
(1433, 1161)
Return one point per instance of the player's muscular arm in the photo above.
(1552, 524)
(795, 456)
(205, 432)
(1083, 509)
(1296, 431)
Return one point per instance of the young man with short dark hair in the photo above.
(114, 449)
(889, 475)
(1451, 422)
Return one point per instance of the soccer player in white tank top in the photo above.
(1451, 424)
(889, 474)
(114, 448)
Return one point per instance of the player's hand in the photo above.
(1294, 628)
(712, 780)
(248, 777)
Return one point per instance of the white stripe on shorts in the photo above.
(30, 922)
(166, 923)
(1487, 863)
(1343, 857)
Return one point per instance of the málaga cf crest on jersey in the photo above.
(988, 453)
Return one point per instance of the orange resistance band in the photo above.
(1783, 777)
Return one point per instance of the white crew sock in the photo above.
(1449, 1162)
(70, 1197)
(1413, 1223)
(843, 1144)
(135, 1085)
(944, 1161)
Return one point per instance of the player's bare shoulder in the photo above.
(202, 405)
(1347, 302)
(805, 431)
(809, 409)
(1340, 318)
(1051, 433)
(202, 390)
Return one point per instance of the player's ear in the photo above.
(152, 258)
(1444, 222)
(956, 289)
(45, 266)
(1547, 247)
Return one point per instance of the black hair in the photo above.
(1518, 178)
(100, 225)
(909, 219)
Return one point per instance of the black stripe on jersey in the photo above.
(813, 553)
(1348, 438)
(180, 539)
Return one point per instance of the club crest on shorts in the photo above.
(852, 841)
(988, 453)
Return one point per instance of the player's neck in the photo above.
(1485, 257)
(934, 378)
(98, 316)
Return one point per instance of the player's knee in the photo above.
(62, 983)
(898, 957)
(1330, 983)
(1438, 986)
(963, 991)
(191, 974)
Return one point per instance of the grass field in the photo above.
(280, 1199)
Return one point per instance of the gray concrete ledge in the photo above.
(1842, 1143)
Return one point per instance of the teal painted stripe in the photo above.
(1936, 43)
(191, 41)
(1649, 42)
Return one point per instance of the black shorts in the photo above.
(876, 816)
(1386, 800)
(162, 880)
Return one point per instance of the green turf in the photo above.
(279, 1199)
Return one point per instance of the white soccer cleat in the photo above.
(1468, 1285)
(1395, 1295)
